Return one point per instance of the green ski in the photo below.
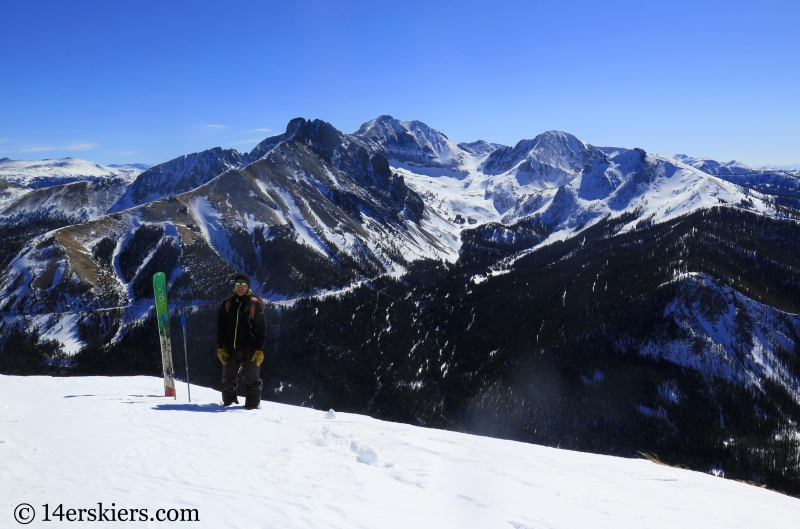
(162, 315)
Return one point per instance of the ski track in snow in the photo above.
(80, 441)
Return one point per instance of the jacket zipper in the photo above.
(236, 329)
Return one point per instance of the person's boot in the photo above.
(227, 402)
(252, 402)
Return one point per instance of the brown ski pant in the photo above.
(241, 359)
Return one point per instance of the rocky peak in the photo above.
(411, 142)
(557, 149)
(480, 147)
(320, 135)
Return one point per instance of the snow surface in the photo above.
(80, 441)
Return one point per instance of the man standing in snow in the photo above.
(240, 342)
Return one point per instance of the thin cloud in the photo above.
(37, 149)
(243, 142)
(214, 126)
(2, 140)
(262, 130)
(80, 147)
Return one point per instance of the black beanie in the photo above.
(241, 276)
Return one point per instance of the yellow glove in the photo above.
(222, 354)
(258, 357)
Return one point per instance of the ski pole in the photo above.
(186, 356)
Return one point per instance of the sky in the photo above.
(146, 81)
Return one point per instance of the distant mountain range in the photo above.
(48, 173)
(602, 298)
(386, 195)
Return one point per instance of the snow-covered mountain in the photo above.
(47, 173)
(318, 211)
(707, 165)
(412, 145)
(568, 185)
(177, 176)
(779, 182)
(480, 147)
(300, 467)
(791, 167)
(389, 194)
(82, 200)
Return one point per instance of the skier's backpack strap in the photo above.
(253, 301)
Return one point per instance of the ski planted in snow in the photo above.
(162, 315)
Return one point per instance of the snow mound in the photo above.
(366, 454)
(80, 441)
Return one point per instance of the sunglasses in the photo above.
(240, 284)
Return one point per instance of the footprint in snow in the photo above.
(323, 438)
(405, 481)
(517, 525)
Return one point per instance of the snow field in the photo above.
(80, 441)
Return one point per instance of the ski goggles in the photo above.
(240, 284)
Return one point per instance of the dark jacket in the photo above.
(236, 328)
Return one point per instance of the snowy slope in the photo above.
(46, 173)
(81, 441)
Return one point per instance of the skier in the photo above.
(240, 342)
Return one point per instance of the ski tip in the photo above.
(169, 392)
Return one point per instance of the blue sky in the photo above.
(121, 82)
